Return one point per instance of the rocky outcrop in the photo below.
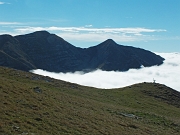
(42, 50)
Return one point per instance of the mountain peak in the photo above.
(42, 32)
(110, 41)
(48, 51)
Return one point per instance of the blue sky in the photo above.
(149, 24)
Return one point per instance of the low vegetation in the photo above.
(37, 105)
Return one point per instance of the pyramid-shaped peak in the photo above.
(110, 41)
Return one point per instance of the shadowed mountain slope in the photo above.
(52, 53)
(12, 55)
(111, 56)
(33, 104)
(42, 50)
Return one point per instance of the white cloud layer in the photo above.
(90, 29)
(168, 74)
(88, 33)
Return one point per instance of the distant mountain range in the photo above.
(42, 50)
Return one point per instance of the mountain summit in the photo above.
(42, 50)
(109, 42)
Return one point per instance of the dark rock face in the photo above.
(111, 56)
(11, 54)
(42, 50)
(51, 52)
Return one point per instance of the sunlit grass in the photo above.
(41, 105)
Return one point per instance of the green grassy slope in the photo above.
(36, 105)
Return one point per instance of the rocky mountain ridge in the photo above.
(42, 50)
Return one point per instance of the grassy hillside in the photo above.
(36, 105)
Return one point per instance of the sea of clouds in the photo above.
(168, 73)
